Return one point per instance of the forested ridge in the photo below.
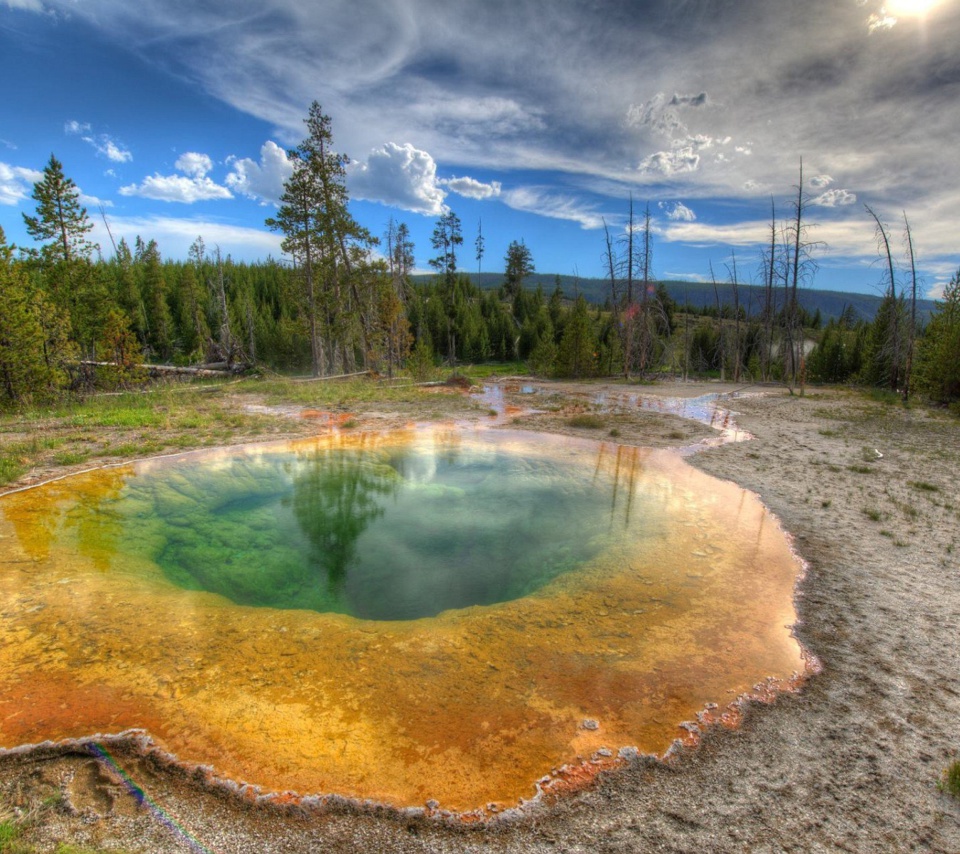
(76, 317)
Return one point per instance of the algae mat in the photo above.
(674, 596)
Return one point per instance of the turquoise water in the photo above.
(384, 533)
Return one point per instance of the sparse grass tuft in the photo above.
(860, 469)
(872, 514)
(70, 458)
(830, 434)
(923, 486)
(614, 433)
(586, 421)
(950, 782)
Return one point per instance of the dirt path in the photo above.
(872, 495)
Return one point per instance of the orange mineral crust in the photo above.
(467, 708)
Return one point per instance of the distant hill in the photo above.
(700, 294)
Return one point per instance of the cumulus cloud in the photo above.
(194, 164)
(399, 175)
(834, 199)
(16, 182)
(669, 163)
(539, 200)
(262, 181)
(818, 182)
(192, 186)
(678, 212)
(473, 189)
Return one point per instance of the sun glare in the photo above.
(911, 8)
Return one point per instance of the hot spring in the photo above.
(422, 615)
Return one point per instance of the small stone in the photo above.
(590, 724)
(433, 804)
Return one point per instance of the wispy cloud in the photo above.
(543, 201)
(102, 143)
(174, 235)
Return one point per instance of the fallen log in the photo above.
(162, 370)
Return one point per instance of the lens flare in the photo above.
(911, 8)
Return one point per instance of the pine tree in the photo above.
(938, 356)
(325, 243)
(27, 367)
(61, 220)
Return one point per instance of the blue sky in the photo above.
(537, 117)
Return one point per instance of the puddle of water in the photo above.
(686, 602)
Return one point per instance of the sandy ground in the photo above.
(872, 496)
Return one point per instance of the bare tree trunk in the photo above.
(723, 349)
(912, 332)
(894, 332)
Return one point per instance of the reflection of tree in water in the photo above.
(334, 500)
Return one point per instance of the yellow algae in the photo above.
(468, 707)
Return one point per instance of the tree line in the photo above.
(71, 319)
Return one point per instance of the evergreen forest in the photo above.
(76, 317)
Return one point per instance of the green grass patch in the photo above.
(871, 513)
(8, 833)
(586, 421)
(614, 433)
(70, 458)
(923, 486)
(950, 782)
(860, 469)
(10, 469)
(497, 369)
(829, 433)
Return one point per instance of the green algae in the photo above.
(383, 532)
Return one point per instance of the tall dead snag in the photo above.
(801, 265)
(610, 259)
(737, 342)
(770, 268)
(912, 328)
(886, 355)
(722, 343)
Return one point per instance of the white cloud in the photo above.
(541, 201)
(25, 5)
(102, 143)
(834, 199)
(678, 212)
(110, 149)
(399, 175)
(751, 233)
(262, 181)
(94, 201)
(174, 236)
(16, 182)
(472, 189)
(880, 22)
(669, 163)
(818, 182)
(177, 188)
(194, 164)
